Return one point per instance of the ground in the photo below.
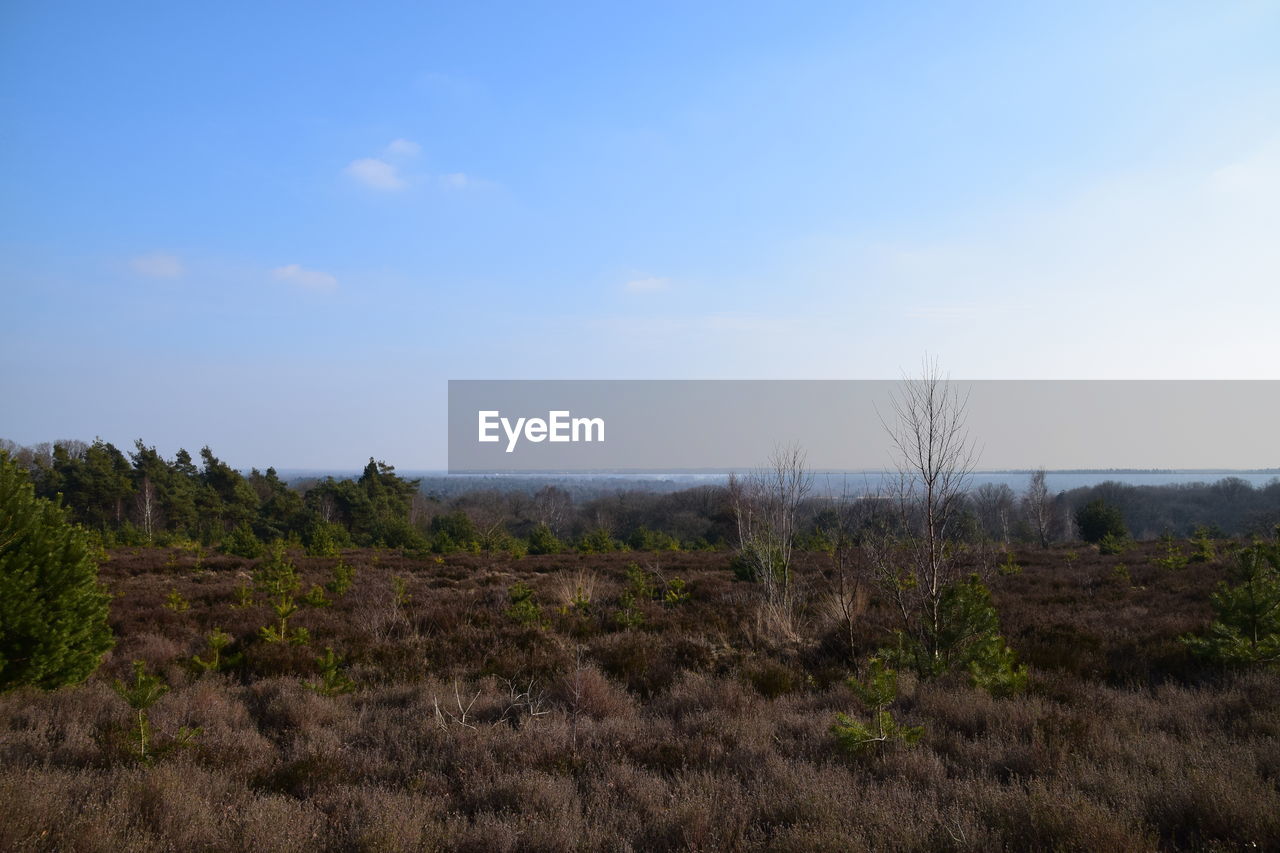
(476, 724)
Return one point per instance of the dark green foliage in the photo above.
(644, 539)
(543, 541)
(224, 501)
(326, 539)
(454, 531)
(1172, 558)
(333, 681)
(1246, 627)
(242, 542)
(752, 563)
(639, 588)
(640, 583)
(278, 583)
(315, 597)
(214, 660)
(524, 607)
(877, 691)
(144, 692)
(1098, 519)
(966, 638)
(1204, 550)
(343, 576)
(96, 483)
(1111, 544)
(280, 509)
(597, 541)
(53, 612)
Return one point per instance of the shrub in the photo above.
(242, 543)
(644, 539)
(877, 692)
(676, 593)
(576, 591)
(145, 690)
(218, 640)
(1204, 551)
(315, 597)
(1097, 519)
(343, 577)
(454, 531)
(327, 539)
(543, 541)
(966, 637)
(333, 681)
(639, 588)
(1246, 629)
(524, 608)
(175, 601)
(597, 541)
(279, 583)
(1173, 558)
(53, 612)
(639, 582)
(1111, 544)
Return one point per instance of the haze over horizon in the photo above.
(279, 232)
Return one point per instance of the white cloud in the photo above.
(650, 284)
(305, 278)
(376, 174)
(158, 265)
(403, 148)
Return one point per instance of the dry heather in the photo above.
(478, 725)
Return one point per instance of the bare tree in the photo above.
(847, 582)
(766, 506)
(994, 503)
(552, 506)
(1040, 509)
(935, 459)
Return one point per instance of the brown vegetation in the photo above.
(476, 725)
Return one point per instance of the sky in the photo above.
(279, 229)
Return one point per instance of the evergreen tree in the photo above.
(53, 612)
(1246, 629)
(1098, 519)
(225, 501)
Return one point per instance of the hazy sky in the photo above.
(280, 228)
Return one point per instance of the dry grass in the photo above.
(692, 731)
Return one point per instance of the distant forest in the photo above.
(140, 498)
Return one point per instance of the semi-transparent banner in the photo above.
(718, 425)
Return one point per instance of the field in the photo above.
(479, 720)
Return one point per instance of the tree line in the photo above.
(143, 498)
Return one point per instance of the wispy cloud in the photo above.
(648, 284)
(376, 174)
(158, 265)
(457, 181)
(403, 148)
(392, 170)
(306, 279)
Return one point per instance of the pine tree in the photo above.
(53, 612)
(1247, 627)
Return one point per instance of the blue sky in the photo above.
(279, 229)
